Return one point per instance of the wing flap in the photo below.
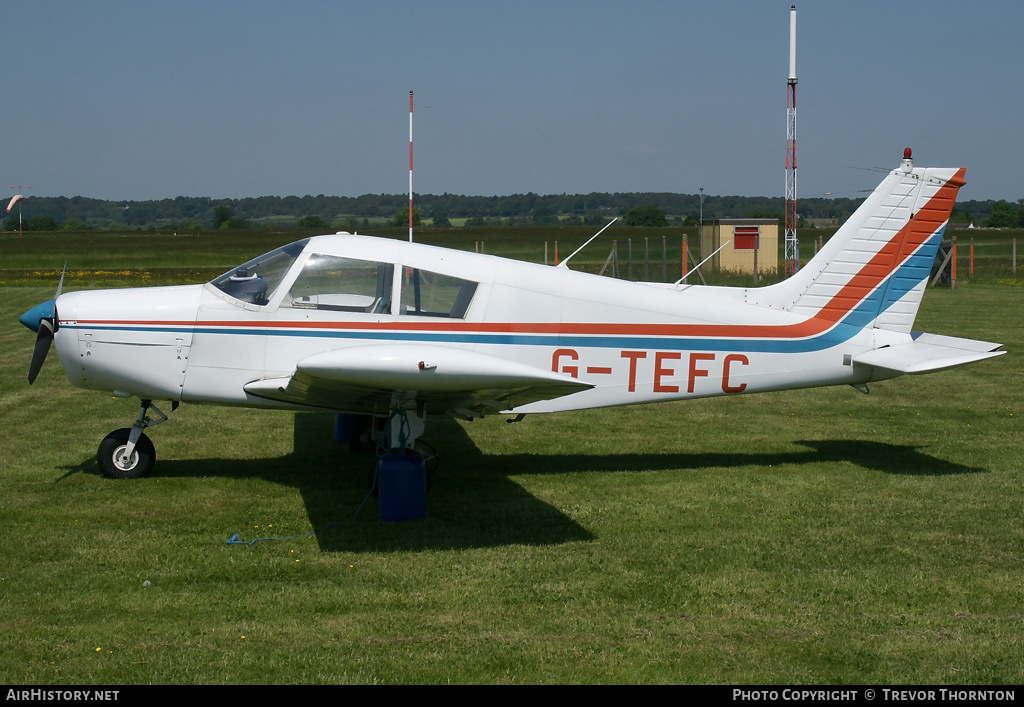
(928, 353)
(373, 378)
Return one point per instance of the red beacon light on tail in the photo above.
(908, 163)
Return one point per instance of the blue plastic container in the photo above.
(402, 487)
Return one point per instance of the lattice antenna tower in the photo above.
(792, 257)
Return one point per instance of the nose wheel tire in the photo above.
(111, 453)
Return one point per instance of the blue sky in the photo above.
(147, 100)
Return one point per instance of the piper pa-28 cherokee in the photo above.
(370, 326)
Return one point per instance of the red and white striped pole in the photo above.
(410, 166)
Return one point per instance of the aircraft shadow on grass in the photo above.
(474, 502)
(887, 458)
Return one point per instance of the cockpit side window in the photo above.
(343, 285)
(431, 294)
(255, 281)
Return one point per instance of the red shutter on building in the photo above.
(745, 237)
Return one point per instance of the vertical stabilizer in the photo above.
(873, 271)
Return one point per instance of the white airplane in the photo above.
(371, 326)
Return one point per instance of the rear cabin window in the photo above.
(431, 294)
(342, 285)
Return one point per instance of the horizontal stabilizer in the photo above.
(928, 353)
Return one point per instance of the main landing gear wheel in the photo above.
(113, 462)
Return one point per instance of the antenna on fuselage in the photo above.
(683, 278)
(565, 263)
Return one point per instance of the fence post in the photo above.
(664, 259)
(684, 257)
(952, 276)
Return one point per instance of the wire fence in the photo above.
(982, 259)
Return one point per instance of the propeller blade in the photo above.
(43, 341)
(60, 285)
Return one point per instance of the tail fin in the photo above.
(873, 271)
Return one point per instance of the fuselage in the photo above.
(632, 342)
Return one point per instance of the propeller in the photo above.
(44, 321)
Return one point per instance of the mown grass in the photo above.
(817, 536)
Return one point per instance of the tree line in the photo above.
(202, 213)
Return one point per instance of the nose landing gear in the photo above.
(127, 453)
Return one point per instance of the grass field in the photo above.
(817, 536)
(109, 259)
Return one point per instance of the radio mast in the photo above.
(792, 257)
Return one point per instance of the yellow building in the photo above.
(748, 241)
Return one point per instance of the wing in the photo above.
(377, 378)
